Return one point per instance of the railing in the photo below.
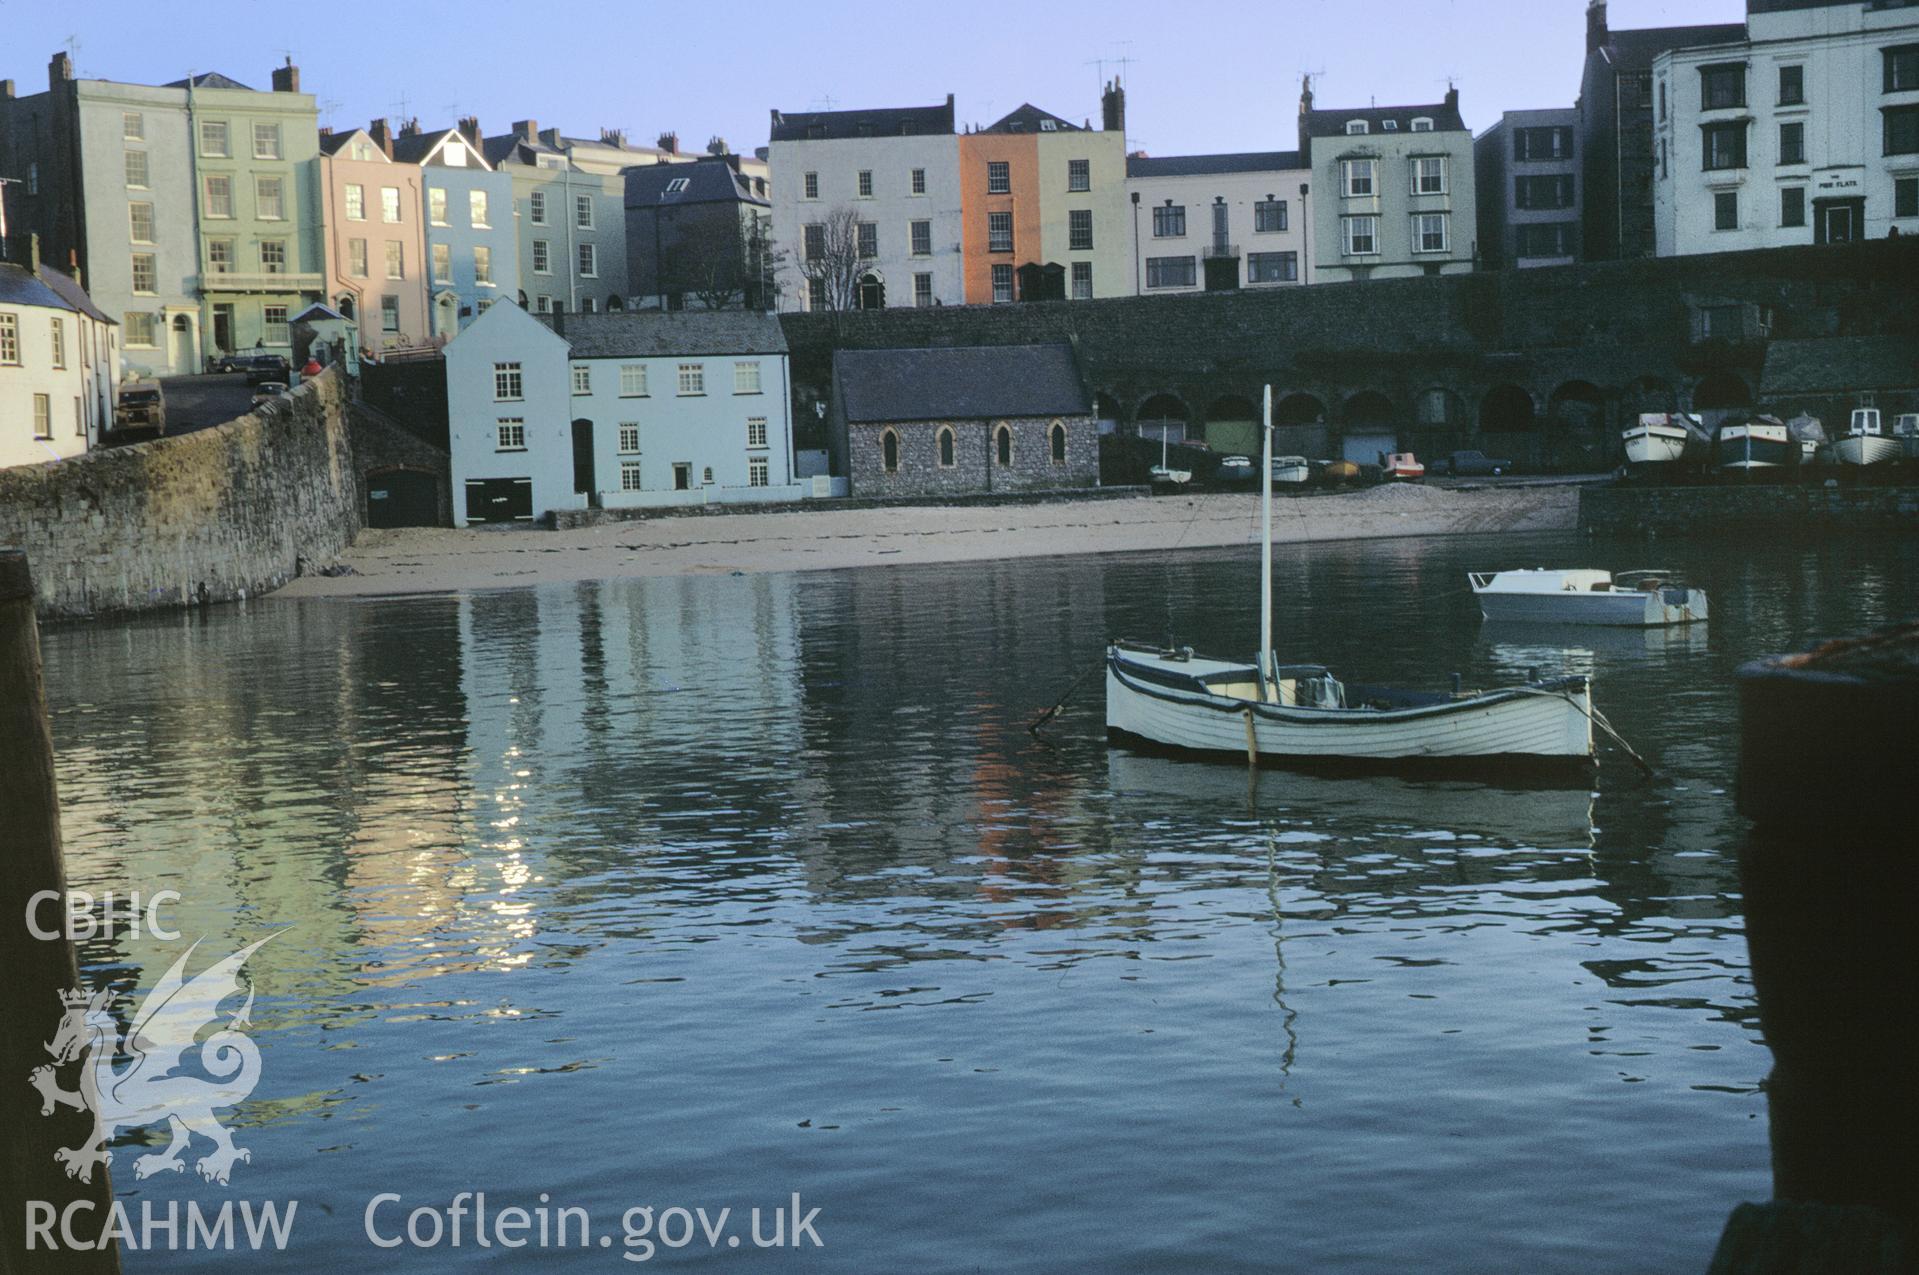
(1220, 251)
(213, 281)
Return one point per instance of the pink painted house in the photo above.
(376, 264)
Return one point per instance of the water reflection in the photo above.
(665, 867)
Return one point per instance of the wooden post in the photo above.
(37, 970)
(1252, 741)
(1830, 876)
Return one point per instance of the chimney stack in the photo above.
(377, 130)
(410, 127)
(1452, 98)
(59, 70)
(669, 142)
(527, 130)
(286, 79)
(6, 90)
(612, 137)
(33, 255)
(1597, 35)
(1112, 107)
(470, 129)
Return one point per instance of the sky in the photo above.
(1212, 77)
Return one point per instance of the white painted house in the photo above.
(1805, 132)
(897, 169)
(1218, 221)
(59, 363)
(618, 411)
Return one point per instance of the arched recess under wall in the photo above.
(1649, 394)
(1506, 409)
(1719, 395)
(1576, 411)
(1106, 412)
(1162, 414)
(1368, 428)
(1299, 409)
(1232, 426)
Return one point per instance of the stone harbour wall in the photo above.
(218, 514)
(1769, 508)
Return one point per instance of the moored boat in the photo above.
(1302, 715)
(1906, 430)
(1809, 433)
(1743, 446)
(1292, 469)
(1864, 442)
(1664, 438)
(1631, 599)
(1401, 466)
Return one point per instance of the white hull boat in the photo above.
(1661, 439)
(1301, 715)
(1754, 445)
(1292, 469)
(1864, 449)
(1187, 703)
(1906, 430)
(1632, 599)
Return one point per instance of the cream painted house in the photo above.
(1215, 222)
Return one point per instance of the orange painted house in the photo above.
(1000, 212)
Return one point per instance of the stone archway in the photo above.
(1507, 409)
(1576, 414)
(1232, 426)
(1368, 427)
(1719, 395)
(1106, 412)
(1165, 414)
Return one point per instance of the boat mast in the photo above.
(1266, 670)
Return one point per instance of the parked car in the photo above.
(228, 363)
(269, 367)
(141, 411)
(267, 391)
(1469, 464)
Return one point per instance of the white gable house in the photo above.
(509, 431)
(617, 411)
(687, 407)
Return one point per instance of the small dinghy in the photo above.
(1301, 715)
(1631, 599)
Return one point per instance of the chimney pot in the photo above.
(669, 142)
(470, 129)
(382, 138)
(59, 70)
(527, 130)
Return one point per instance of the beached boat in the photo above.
(1631, 599)
(1664, 438)
(1906, 430)
(1302, 715)
(1864, 442)
(1234, 469)
(1163, 474)
(1401, 466)
(1744, 446)
(1809, 432)
(1292, 469)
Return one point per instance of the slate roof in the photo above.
(209, 80)
(1197, 165)
(1634, 50)
(1027, 118)
(411, 148)
(656, 334)
(511, 148)
(319, 312)
(959, 383)
(50, 288)
(1318, 123)
(334, 143)
(707, 182)
(891, 121)
(1841, 365)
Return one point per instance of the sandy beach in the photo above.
(433, 560)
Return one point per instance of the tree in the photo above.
(832, 260)
(724, 262)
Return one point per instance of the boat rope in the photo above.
(1597, 718)
(1053, 712)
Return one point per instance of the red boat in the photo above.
(1403, 466)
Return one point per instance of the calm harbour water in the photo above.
(704, 892)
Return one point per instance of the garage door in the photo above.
(402, 498)
(1365, 448)
(499, 500)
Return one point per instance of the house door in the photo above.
(181, 356)
(1838, 220)
(223, 328)
(583, 463)
(405, 498)
(682, 476)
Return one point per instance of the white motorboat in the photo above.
(1631, 599)
(1864, 442)
(1906, 430)
(1302, 715)
(1292, 469)
(1663, 438)
(1755, 443)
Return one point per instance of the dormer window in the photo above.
(678, 186)
(1355, 127)
(1049, 126)
(1389, 126)
(1422, 125)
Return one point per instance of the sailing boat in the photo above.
(1164, 473)
(1300, 714)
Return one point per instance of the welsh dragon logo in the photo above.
(154, 1087)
